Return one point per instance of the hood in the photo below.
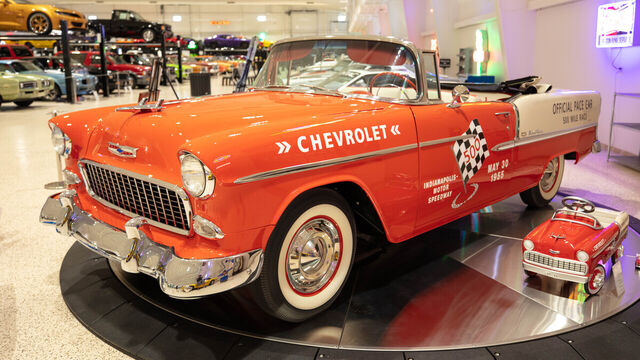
(131, 67)
(566, 237)
(214, 128)
(26, 76)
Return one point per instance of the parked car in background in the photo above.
(226, 41)
(575, 243)
(114, 63)
(129, 24)
(139, 58)
(115, 79)
(22, 89)
(84, 83)
(54, 45)
(22, 15)
(8, 51)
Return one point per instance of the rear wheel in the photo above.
(39, 23)
(541, 194)
(23, 103)
(308, 257)
(596, 280)
(148, 35)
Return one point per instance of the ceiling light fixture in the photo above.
(261, 18)
(177, 18)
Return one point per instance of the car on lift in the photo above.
(84, 83)
(271, 188)
(226, 41)
(23, 15)
(10, 51)
(22, 89)
(575, 243)
(91, 59)
(129, 24)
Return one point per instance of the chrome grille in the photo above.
(163, 204)
(556, 263)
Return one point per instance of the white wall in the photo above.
(566, 56)
(196, 19)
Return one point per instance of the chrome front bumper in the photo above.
(178, 277)
(555, 273)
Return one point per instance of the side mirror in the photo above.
(460, 94)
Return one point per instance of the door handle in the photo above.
(506, 113)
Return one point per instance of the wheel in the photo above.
(541, 194)
(148, 35)
(134, 82)
(308, 258)
(39, 23)
(530, 273)
(55, 93)
(23, 103)
(596, 280)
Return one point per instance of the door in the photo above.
(9, 16)
(459, 173)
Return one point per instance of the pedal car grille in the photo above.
(163, 204)
(556, 263)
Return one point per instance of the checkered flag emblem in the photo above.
(471, 153)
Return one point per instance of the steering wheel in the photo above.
(578, 204)
(406, 79)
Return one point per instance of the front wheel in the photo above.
(308, 258)
(148, 35)
(541, 194)
(39, 23)
(54, 94)
(596, 280)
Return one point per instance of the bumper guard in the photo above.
(178, 277)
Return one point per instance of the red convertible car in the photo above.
(270, 188)
(575, 243)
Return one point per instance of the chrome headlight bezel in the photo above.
(205, 188)
(528, 244)
(582, 256)
(61, 142)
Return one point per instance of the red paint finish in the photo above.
(240, 135)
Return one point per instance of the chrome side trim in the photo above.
(178, 277)
(519, 142)
(321, 164)
(179, 191)
(446, 140)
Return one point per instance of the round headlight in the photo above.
(582, 256)
(528, 244)
(196, 177)
(60, 141)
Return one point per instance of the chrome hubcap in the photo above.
(598, 280)
(147, 35)
(549, 176)
(313, 256)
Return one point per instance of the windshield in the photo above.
(342, 67)
(22, 51)
(5, 68)
(21, 66)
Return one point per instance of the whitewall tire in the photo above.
(548, 185)
(308, 258)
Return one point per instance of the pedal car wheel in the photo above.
(541, 194)
(308, 257)
(596, 280)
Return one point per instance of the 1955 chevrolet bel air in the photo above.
(268, 188)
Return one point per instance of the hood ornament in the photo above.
(122, 151)
(143, 106)
(557, 237)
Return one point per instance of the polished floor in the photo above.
(34, 319)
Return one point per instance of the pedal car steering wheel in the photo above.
(406, 79)
(578, 204)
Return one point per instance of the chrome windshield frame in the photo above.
(421, 99)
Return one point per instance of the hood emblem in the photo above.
(123, 151)
(556, 252)
(557, 237)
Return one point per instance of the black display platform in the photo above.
(376, 311)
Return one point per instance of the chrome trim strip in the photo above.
(179, 191)
(446, 140)
(595, 226)
(554, 274)
(609, 243)
(321, 164)
(519, 142)
(178, 277)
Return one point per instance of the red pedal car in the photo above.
(575, 243)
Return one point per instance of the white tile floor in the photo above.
(35, 322)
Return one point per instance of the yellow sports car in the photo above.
(21, 15)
